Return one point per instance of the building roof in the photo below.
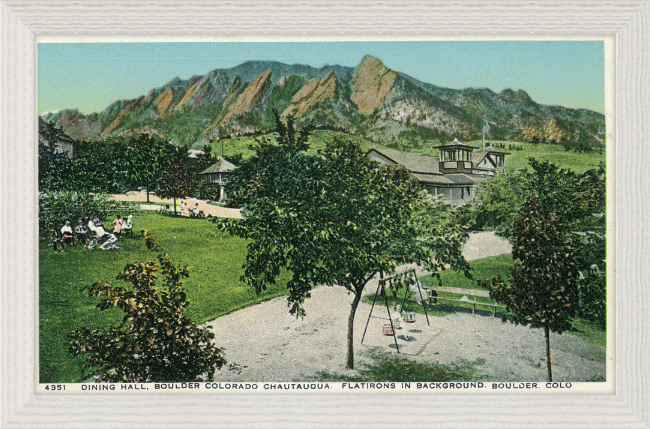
(448, 179)
(221, 166)
(413, 162)
(491, 149)
(456, 144)
(477, 157)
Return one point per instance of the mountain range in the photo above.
(371, 100)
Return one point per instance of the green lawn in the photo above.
(482, 269)
(215, 260)
(578, 162)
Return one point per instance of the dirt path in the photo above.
(208, 209)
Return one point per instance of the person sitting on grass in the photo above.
(110, 242)
(118, 226)
(91, 224)
(128, 225)
(101, 233)
(66, 234)
(81, 232)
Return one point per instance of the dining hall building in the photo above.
(455, 173)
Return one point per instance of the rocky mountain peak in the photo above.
(372, 85)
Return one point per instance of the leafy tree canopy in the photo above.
(543, 289)
(175, 183)
(288, 144)
(149, 156)
(578, 198)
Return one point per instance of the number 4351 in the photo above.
(55, 387)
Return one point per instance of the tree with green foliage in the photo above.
(590, 252)
(54, 169)
(248, 175)
(175, 183)
(579, 142)
(155, 341)
(543, 289)
(99, 167)
(498, 202)
(338, 218)
(148, 156)
(579, 199)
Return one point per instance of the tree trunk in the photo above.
(548, 352)
(147, 191)
(353, 310)
(174, 206)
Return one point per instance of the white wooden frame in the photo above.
(23, 21)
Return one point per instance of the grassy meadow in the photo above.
(214, 261)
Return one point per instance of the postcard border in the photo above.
(23, 21)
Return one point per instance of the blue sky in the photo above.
(90, 76)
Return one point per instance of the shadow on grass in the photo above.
(386, 367)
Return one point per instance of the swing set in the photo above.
(408, 278)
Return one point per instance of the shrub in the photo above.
(155, 341)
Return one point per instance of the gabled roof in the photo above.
(413, 162)
(477, 157)
(221, 166)
(491, 149)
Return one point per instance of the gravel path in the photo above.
(208, 209)
(268, 344)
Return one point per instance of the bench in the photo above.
(120, 208)
(468, 297)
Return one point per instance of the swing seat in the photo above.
(409, 317)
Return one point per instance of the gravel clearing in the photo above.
(266, 343)
(208, 209)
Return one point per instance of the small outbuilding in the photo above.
(217, 175)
